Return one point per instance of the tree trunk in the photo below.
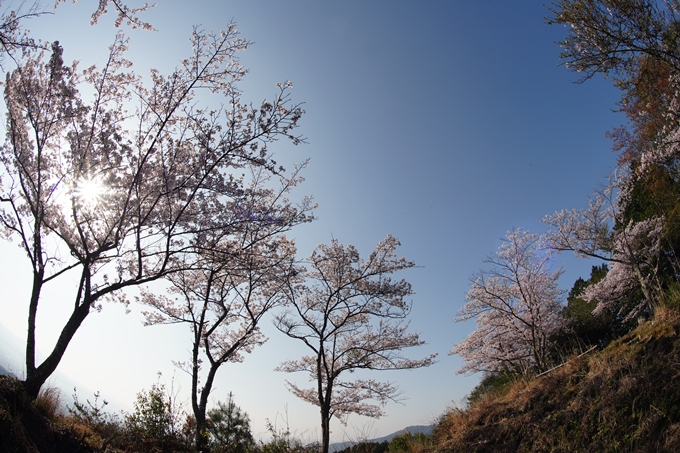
(38, 277)
(201, 434)
(201, 408)
(325, 428)
(36, 377)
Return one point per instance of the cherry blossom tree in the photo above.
(121, 189)
(238, 278)
(351, 315)
(632, 248)
(633, 224)
(516, 305)
(612, 37)
(14, 37)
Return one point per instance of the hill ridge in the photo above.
(413, 429)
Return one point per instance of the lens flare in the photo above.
(89, 191)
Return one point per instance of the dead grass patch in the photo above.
(622, 399)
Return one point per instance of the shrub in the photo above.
(283, 441)
(154, 416)
(91, 413)
(229, 428)
(92, 423)
(671, 298)
(155, 423)
(491, 383)
(407, 442)
(367, 447)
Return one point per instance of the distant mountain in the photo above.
(425, 429)
(11, 356)
(11, 364)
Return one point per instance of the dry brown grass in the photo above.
(623, 399)
(48, 402)
(83, 431)
(24, 426)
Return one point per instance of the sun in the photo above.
(89, 191)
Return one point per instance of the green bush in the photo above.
(367, 447)
(490, 383)
(407, 442)
(152, 417)
(671, 297)
(155, 423)
(229, 429)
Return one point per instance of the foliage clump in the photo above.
(155, 421)
(413, 443)
(367, 447)
(229, 429)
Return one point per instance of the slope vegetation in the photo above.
(625, 398)
(25, 428)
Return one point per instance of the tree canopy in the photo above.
(516, 305)
(134, 182)
(352, 316)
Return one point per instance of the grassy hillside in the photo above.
(625, 398)
(25, 426)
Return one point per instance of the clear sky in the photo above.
(443, 123)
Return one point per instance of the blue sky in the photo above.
(443, 123)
